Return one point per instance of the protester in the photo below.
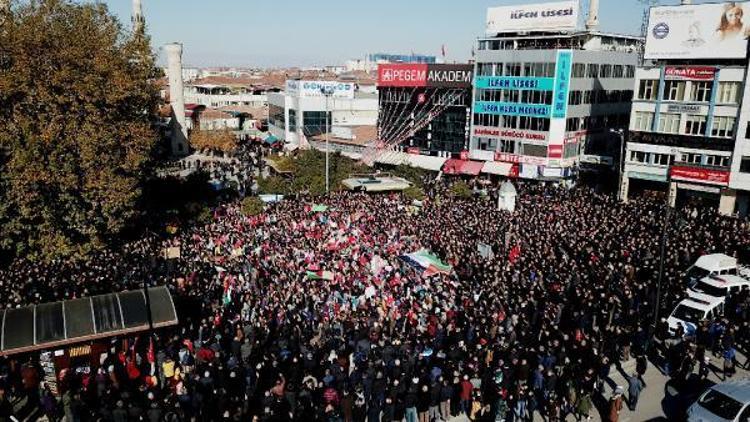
(306, 312)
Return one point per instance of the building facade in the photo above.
(425, 108)
(543, 101)
(689, 136)
(299, 112)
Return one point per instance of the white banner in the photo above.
(315, 88)
(559, 16)
(701, 31)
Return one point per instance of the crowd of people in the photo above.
(307, 312)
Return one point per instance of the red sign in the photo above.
(514, 171)
(697, 174)
(464, 155)
(406, 75)
(695, 73)
(413, 150)
(555, 151)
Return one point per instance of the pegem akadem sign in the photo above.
(408, 75)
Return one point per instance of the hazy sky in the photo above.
(267, 33)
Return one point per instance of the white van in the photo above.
(721, 286)
(695, 308)
(713, 264)
(728, 401)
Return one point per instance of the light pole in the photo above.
(621, 134)
(327, 91)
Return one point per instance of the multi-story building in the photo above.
(308, 108)
(547, 93)
(425, 108)
(689, 134)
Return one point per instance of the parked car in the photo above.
(728, 401)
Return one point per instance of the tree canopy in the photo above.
(76, 127)
(216, 140)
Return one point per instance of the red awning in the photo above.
(454, 166)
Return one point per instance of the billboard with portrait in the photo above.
(701, 31)
(559, 16)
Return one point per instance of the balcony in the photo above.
(682, 141)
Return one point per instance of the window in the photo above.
(674, 90)
(717, 161)
(292, 120)
(640, 157)
(533, 123)
(487, 144)
(618, 71)
(695, 125)
(662, 159)
(745, 165)
(576, 98)
(605, 71)
(723, 127)
(314, 122)
(669, 123)
(587, 97)
(728, 92)
(508, 145)
(512, 69)
(592, 70)
(701, 91)
(579, 70)
(691, 158)
(647, 89)
(630, 71)
(485, 69)
(643, 120)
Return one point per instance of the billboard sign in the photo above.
(699, 31)
(559, 16)
(425, 75)
(512, 109)
(515, 82)
(562, 83)
(693, 73)
(697, 174)
(510, 134)
(309, 89)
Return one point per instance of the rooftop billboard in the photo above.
(559, 16)
(701, 31)
(425, 75)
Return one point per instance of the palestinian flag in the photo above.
(320, 275)
(428, 262)
(319, 208)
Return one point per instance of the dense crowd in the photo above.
(306, 312)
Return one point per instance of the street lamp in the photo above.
(327, 92)
(663, 241)
(621, 134)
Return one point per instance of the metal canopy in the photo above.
(56, 324)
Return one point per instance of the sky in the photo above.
(285, 33)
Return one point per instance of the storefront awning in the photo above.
(393, 158)
(427, 162)
(497, 168)
(471, 168)
(56, 324)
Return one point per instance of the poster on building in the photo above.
(406, 75)
(692, 73)
(558, 16)
(697, 174)
(310, 89)
(700, 31)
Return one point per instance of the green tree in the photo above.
(414, 193)
(76, 127)
(461, 190)
(252, 205)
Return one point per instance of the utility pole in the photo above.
(327, 92)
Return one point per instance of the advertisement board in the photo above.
(515, 82)
(692, 73)
(425, 75)
(505, 157)
(699, 31)
(309, 89)
(510, 134)
(558, 16)
(512, 109)
(697, 174)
